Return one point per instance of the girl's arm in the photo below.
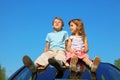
(86, 45)
(68, 48)
(47, 46)
(66, 42)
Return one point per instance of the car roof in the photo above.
(105, 71)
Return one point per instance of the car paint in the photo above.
(105, 71)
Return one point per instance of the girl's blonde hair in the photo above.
(80, 27)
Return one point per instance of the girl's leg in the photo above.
(73, 63)
(88, 61)
(96, 63)
(93, 65)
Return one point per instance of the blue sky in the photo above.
(24, 25)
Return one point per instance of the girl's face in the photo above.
(73, 27)
(57, 25)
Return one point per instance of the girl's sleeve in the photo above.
(71, 37)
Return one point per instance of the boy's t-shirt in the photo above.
(57, 40)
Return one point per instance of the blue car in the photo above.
(105, 71)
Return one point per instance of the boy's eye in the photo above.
(57, 22)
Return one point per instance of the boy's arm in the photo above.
(47, 46)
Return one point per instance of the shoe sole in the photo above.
(54, 63)
(73, 63)
(60, 70)
(96, 63)
(29, 64)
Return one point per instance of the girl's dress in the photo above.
(77, 44)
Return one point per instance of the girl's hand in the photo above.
(75, 52)
(83, 51)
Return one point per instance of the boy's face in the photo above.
(73, 27)
(57, 25)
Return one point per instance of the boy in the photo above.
(54, 51)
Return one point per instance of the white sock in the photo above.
(90, 65)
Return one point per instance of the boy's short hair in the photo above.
(58, 19)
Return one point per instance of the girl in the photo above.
(77, 46)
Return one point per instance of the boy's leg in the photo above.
(29, 64)
(42, 60)
(57, 65)
(96, 63)
(58, 62)
(61, 57)
(34, 76)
